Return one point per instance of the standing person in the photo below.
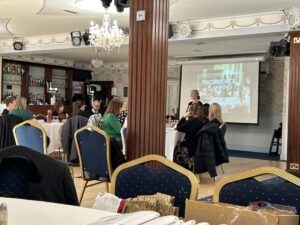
(190, 127)
(94, 110)
(205, 108)
(195, 98)
(59, 111)
(123, 114)
(215, 113)
(10, 103)
(20, 109)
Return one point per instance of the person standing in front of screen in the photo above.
(195, 99)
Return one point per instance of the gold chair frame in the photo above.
(253, 173)
(38, 126)
(109, 168)
(193, 179)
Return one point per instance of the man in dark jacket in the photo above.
(211, 149)
(10, 103)
(55, 183)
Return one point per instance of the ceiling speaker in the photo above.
(76, 38)
(18, 43)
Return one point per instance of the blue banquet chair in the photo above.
(268, 184)
(136, 178)
(93, 148)
(32, 135)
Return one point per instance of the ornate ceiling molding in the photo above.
(41, 60)
(233, 23)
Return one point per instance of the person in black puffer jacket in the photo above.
(211, 148)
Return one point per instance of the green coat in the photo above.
(112, 126)
(24, 114)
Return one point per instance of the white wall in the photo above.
(257, 138)
(253, 138)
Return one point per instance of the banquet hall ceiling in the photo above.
(49, 17)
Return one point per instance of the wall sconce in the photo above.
(76, 38)
(18, 43)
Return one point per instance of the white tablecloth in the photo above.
(172, 136)
(53, 131)
(25, 212)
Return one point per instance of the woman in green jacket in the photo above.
(111, 125)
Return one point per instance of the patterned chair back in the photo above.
(135, 178)
(32, 135)
(93, 148)
(275, 186)
(124, 139)
(15, 174)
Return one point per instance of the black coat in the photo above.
(7, 123)
(55, 183)
(190, 127)
(211, 149)
(67, 135)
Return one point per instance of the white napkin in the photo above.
(135, 218)
(164, 220)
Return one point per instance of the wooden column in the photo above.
(148, 59)
(293, 151)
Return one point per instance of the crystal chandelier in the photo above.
(106, 37)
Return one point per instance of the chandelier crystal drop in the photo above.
(107, 37)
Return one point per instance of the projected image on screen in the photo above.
(233, 85)
(225, 84)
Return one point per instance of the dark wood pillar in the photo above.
(148, 59)
(293, 151)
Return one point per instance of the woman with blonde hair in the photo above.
(20, 110)
(215, 113)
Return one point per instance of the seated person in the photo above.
(123, 114)
(111, 125)
(78, 108)
(191, 126)
(10, 103)
(59, 111)
(94, 110)
(96, 120)
(20, 109)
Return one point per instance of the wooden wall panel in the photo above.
(148, 55)
(293, 154)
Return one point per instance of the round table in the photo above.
(27, 212)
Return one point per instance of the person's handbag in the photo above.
(181, 155)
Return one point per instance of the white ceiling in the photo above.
(38, 17)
